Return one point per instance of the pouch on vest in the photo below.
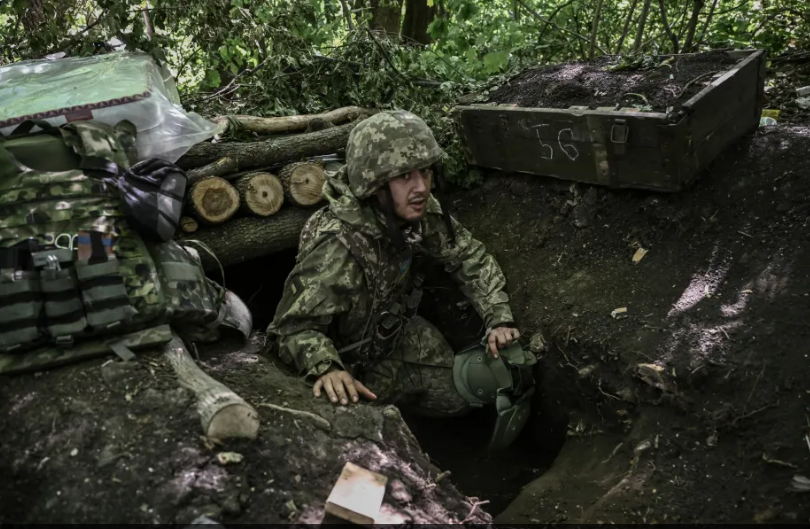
(20, 299)
(64, 311)
(191, 298)
(152, 193)
(102, 286)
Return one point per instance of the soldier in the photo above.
(347, 320)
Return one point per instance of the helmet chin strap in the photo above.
(391, 221)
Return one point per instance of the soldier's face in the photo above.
(410, 193)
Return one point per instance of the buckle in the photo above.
(65, 341)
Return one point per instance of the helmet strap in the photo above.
(391, 221)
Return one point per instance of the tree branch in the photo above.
(706, 24)
(595, 28)
(626, 29)
(549, 22)
(690, 31)
(348, 14)
(735, 8)
(77, 37)
(551, 17)
(645, 12)
(668, 29)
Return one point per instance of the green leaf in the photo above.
(495, 60)
(212, 78)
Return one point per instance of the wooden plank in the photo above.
(551, 124)
(724, 136)
(724, 97)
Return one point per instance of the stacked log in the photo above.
(247, 199)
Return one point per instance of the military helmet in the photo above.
(385, 146)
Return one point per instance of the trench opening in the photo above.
(260, 283)
(459, 444)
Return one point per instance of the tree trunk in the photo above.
(275, 151)
(261, 194)
(595, 28)
(418, 16)
(221, 167)
(668, 29)
(303, 183)
(386, 15)
(645, 12)
(212, 200)
(690, 30)
(626, 29)
(246, 238)
(223, 413)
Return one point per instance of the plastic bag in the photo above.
(106, 88)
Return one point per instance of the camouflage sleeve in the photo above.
(319, 288)
(477, 272)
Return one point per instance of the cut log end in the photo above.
(188, 225)
(213, 200)
(303, 183)
(261, 194)
(237, 420)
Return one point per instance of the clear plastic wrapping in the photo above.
(106, 88)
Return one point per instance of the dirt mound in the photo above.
(693, 407)
(119, 442)
(588, 83)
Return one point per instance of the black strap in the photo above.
(97, 252)
(391, 223)
(451, 232)
(18, 257)
(26, 126)
(102, 165)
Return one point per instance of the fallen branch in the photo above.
(221, 167)
(693, 81)
(223, 413)
(319, 421)
(271, 152)
(276, 125)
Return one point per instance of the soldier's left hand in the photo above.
(500, 337)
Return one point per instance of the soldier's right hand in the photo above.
(341, 385)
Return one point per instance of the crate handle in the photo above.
(624, 131)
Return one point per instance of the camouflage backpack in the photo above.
(75, 279)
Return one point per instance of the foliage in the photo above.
(282, 57)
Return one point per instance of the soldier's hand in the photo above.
(500, 337)
(340, 385)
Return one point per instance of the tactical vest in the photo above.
(71, 267)
(395, 292)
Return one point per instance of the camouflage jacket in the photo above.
(327, 302)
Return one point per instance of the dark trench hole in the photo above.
(456, 444)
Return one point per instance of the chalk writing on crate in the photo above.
(547, 150)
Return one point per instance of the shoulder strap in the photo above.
(362, 250)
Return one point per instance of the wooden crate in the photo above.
(619, 149)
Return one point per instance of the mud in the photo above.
(713, 427)
(587, 83)
(119, 442)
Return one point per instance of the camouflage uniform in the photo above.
(348, 271)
